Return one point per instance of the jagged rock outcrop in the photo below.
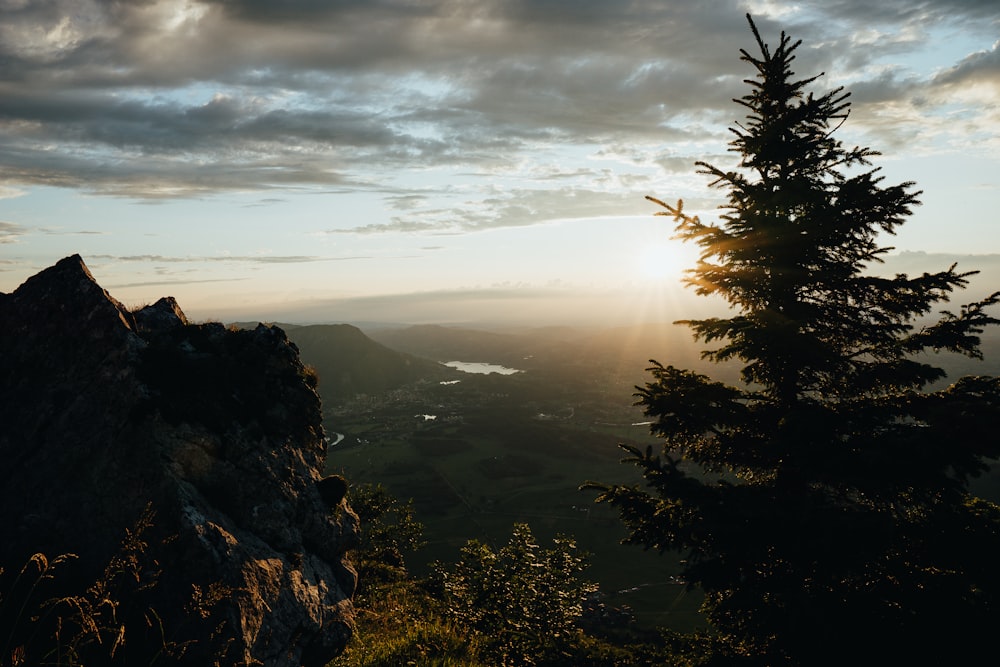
(104, 412)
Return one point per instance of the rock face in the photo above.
(105, 412)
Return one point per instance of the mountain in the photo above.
(348, 362)
(444, 344)
(182, 466)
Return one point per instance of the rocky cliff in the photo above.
(106, 412)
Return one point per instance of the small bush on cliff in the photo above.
(527, 600)
(310, 376)
(389, 533)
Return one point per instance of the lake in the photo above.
(481, 368)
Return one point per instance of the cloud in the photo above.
(9, 232)
(161, 99)
(172, 283)
(251, 259)
(511, 208)
(979, 67)
(55, 231)
(396, 226)
(909, 12)
(267, 201)
(502, 304)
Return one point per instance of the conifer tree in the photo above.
(823, 505)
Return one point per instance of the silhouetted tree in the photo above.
(823, 506)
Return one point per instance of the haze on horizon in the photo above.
(445, 160)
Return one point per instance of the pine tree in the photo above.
(823, 506)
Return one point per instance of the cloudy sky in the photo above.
(267, 158)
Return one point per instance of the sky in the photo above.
(441, 160)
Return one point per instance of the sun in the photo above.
(663, 262)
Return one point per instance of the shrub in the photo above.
(523, 599)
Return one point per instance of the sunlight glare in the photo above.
(662, 262)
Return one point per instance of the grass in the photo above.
(398, 625)
(49, 616)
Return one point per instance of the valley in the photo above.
(478, 452)
(502, 449)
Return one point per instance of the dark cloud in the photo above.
(983, 67)
(886, 87)
(158, 99)
(925, 12)
(302, 12)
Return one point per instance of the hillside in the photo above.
(348, 362)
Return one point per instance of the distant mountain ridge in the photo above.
(348, 362)
(443, 343)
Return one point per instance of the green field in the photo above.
(474, 477)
